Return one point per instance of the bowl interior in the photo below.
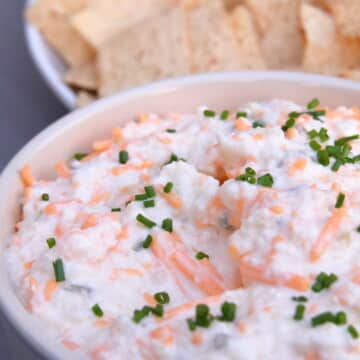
(77, 131)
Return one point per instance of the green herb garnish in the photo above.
(96, 309)
(59, 270)
(147, 242)
(167, 225)
(201, 255)
(123, 157)
(145, 221)
(51, 242)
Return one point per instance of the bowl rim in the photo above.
(36, 44)
(155, 89)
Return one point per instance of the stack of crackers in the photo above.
(112, 45)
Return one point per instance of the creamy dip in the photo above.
(229, 235)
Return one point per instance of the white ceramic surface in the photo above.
(49, 64)
(76, 131)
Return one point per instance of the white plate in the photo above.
(49, 64)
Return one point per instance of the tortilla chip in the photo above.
(213, 43)
(326, 50)
(346, 14)
(83, 77)
(84, 98)
(105, 18)
(248, 39)
(278, 22)
(51, 18)
(352, 75)
(152, 50)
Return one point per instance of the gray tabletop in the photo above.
(27, 106)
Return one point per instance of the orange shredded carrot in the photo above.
(165, 334)
(143, 118)
(242, 125)
(197, 338)
(291, 133)
(27, 176)
(50, 289)
(103, 322)
(102, 145)
(28, 265)
(62, 170)
(50, 209)
(277, 210)
(327, 233)
(117, 272)
(27, 193)
(173, 200)
(96, 354)
(150, 299)
(124, 234)
(90, 221)
(70, 345)
(98, 197)
(258, 137)
(297, 166)
(117, 134)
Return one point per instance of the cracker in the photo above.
(52, 19)
(247, 38)
(278, 22)
(84, 98)
(327, 51)
(213, 43)
(82, 77)
(346, 14)
(103, 19)
(149, 51)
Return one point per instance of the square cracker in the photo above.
(52, 20)
(213, 42)
(247, 38)
(327, 51)
(278, 22)
(83, 77)
(103, 19)
(153, 50)
(346, 14)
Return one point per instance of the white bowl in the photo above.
(76, 131)
(49, 64)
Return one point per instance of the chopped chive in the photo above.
(145, 221)
(167, 225)
(353, 332)
(168, 187)
(323, 135)
(162, 297)
(323, 157)
(313, 104)
(312, 134)
(141, 197)
(299, 312)
(336, 165)
(340, 318)
(315, 145)
(340, 201)
(358, 229)
(96, 309)
(191, 324)
(300, 298)
(173, 158)
(45, 197)
(80, 156)
(322, 319)
(241, 114)
(201, 255)
(51, 242)
(141, 314)
(147, 242)
(265, 180)
(150, 191)
(123, 157)
(316, 114)
(257, 124)
(203, 317)
(346, 139)
(225, 114)
(250, 171)
(115, 209)
(158, 310)
(171, 131)
(149, 203)
(59, 270)
(228, 312)
(209, 113)
(323, 281)
(289, 124)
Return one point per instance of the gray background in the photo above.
(26, 106)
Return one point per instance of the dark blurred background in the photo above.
(27, 106)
